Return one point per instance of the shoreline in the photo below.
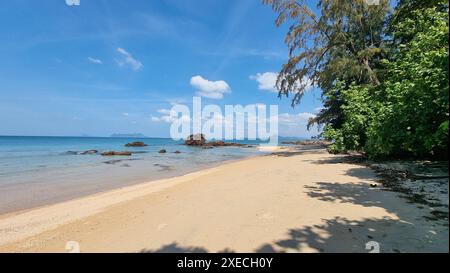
(119, 178)
(294, 200)
(147, 187)
(135, 187)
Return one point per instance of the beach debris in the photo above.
(136, 144)
(163, 151)
(116, 153)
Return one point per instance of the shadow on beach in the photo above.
(411, 232)
(340, 235)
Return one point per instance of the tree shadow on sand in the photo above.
(406, 231)
(340, 235)
(175, 248)
(335, 235)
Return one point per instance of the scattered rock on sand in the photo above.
(115, 153)
(136, 144)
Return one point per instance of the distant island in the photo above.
(128, 135)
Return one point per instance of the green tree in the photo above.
(384, 77)
(345, 42)
(413, 118)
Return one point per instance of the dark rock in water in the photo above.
(199, 140)
(112, 162)
(115, 153)
(373, 185)
(136, 144)
(223, 144)
(195, 140)
(208, 147)
(89, 152)
(115, 161)
(163, 167)
(177, 152)
(162, 151)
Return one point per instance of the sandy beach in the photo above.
(291, 201)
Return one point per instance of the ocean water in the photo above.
(36, 171)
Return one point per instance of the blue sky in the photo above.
(114, 66)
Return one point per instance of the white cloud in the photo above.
(129, 60)
(210, 89)
(164, 111)
(155, 119)
(73, 2)
(318, 109)
(94, 61)
(286, 118)
(295, 125)
(266, 81)
(167, 116)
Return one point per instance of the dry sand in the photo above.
(294, 201)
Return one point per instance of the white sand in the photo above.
(294, 202)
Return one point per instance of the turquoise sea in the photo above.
(36, 171)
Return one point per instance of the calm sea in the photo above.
(36, 171)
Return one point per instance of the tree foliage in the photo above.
(383, 74)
